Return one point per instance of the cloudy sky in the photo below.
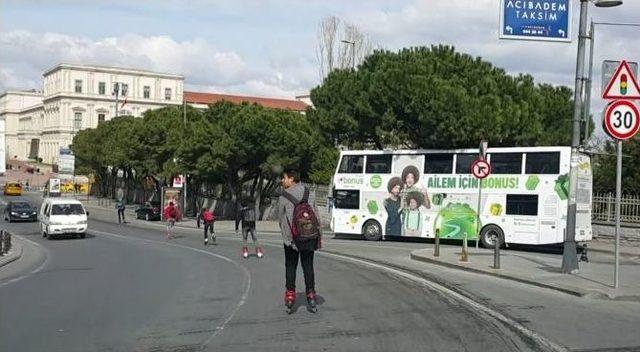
(267, 48)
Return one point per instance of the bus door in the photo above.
(550, 229)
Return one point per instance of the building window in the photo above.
(125, 89)
(78, 86)
(102, 88)
(167, 94)
(100, 118)
(146, 92)
(77, 121)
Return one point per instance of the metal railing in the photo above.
(5, 242)
(603, 208)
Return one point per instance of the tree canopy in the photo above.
(438, 98)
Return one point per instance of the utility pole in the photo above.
(184, 130)
(570, 254)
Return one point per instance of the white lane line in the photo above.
(247, 274)
(36, 270)
(538, 338)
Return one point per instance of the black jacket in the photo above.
(240, 218)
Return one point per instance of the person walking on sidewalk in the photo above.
(120, 207)
(169, 214)
(301, 236)
(208, 220)
(247, 217)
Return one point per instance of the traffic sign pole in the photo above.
(616, 266)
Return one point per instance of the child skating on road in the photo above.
(247, 217)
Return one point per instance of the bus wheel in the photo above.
(372, 230)
(487, 234)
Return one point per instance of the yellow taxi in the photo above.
(13, 189)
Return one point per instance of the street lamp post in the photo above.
(570, 256)
(116, 92)
(184, 181)
(353, 52)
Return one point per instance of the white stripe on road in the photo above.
(247, 274)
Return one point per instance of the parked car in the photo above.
(20, 211)
(149, 212)
(13, 189)
(63, 216)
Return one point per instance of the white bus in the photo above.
(416, 193)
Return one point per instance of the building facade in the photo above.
(76, 97)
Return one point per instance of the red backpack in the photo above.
(208, 216)
(305, 225)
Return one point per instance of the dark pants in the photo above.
(208, 226)
(291, 256)
(121, 216)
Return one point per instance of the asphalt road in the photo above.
(126, 288)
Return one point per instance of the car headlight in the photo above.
(14, 213)
(55, 223)
(34, 213)
(82, 222)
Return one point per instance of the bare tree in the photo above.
(333, 53)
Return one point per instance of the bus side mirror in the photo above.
(87, 213)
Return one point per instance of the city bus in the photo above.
(418, 193)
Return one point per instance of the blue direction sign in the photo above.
(536, 20)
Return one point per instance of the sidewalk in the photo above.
(14, 254)
(595, 278)
(189, 223)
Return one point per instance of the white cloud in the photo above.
(26, 55)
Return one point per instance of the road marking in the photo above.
(508, 322)
(247, 274)
(36, 270)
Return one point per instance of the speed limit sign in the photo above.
(622, 119)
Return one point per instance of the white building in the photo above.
(76, 97)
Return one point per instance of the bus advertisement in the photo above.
(416, 193)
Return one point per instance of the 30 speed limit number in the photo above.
(622, 119)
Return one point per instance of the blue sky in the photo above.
(268, 48)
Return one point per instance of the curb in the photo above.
(573, 291)
(15, 254)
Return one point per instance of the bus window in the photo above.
(351, 164)
(438, 163)
(463, 163)
(379, 164)
(506, 163)
(522, 204)
(346, 199)
(543, 163)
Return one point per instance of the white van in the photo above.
(62, 216)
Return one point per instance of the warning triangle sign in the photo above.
(623, 84)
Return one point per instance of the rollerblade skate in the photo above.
(289, 300)
(245, 252)
(259, 252)
(311, 301)
(206, 241)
